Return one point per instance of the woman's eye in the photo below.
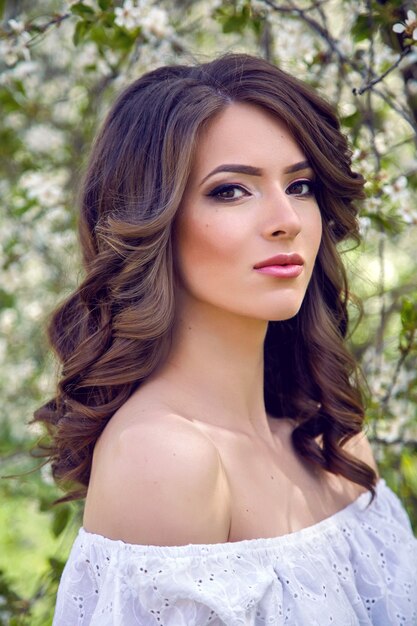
(301, 188)
(228, 192)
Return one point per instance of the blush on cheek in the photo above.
(205, 252)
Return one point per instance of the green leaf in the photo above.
(104, 4)
(409, 314)
(113, 38)
(362, 28)
(352, 120)
(409, 470)
(60, 519)
(233, 24)
(107, 37)
(6, 300)
(57, 567)
(81, 31)
(235, 21)
(84, 11)
(6, 591)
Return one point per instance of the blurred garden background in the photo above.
(61, 64)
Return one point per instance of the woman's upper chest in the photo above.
(272, 490)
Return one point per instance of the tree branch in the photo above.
(325, 34)
(318, 28)
(378, 79)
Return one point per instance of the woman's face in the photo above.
(250, 198)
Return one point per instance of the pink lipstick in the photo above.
(281, 266)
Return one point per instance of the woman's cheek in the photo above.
(206, 252)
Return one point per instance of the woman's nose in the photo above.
(282, 219)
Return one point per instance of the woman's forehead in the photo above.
(245, 133)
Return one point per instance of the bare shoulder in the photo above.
(360, 447)
(157, 481)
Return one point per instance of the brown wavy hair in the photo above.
(115, 329)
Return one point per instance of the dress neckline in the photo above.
(326, 526)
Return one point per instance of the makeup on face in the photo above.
(249, 227)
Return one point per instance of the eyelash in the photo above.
(215, 193)
(305, 181)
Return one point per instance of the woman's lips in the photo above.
(281, 271)
(281, 265)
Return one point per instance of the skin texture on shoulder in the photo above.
(157, 482)
(360, 447)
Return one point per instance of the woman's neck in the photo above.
(215, 367)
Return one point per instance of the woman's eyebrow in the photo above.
(301, 165)
(235, 168)
(238, 168)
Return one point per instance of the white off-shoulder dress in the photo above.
(357, 567)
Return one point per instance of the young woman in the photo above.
(208, 406)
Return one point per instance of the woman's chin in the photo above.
(284, 314)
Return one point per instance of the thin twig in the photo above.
(38, 29)
(378, 79)
(41, 30)
(401, 111)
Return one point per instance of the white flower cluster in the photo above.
(379, 371)
(399, 193)
(44, 187)
(396, 196)
(35, 250)
(43, 138)
(365, 224)
(286, 39)
(89, 56)
(141, 14)
(15, 46)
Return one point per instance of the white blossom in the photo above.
(155, 22)
(128, 16)
(408, 213)
(15, 120)
(409, 27)
(43, 138)
(8, 318)
(8, 53)
(396, 188)
(399, 194)
(140, 14)
(17, 26)
(34, 310)
(13, 49)
(364, 225)
(24, 69)
(44, 187)
(374, 204)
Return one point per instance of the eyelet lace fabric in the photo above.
(357, 567)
